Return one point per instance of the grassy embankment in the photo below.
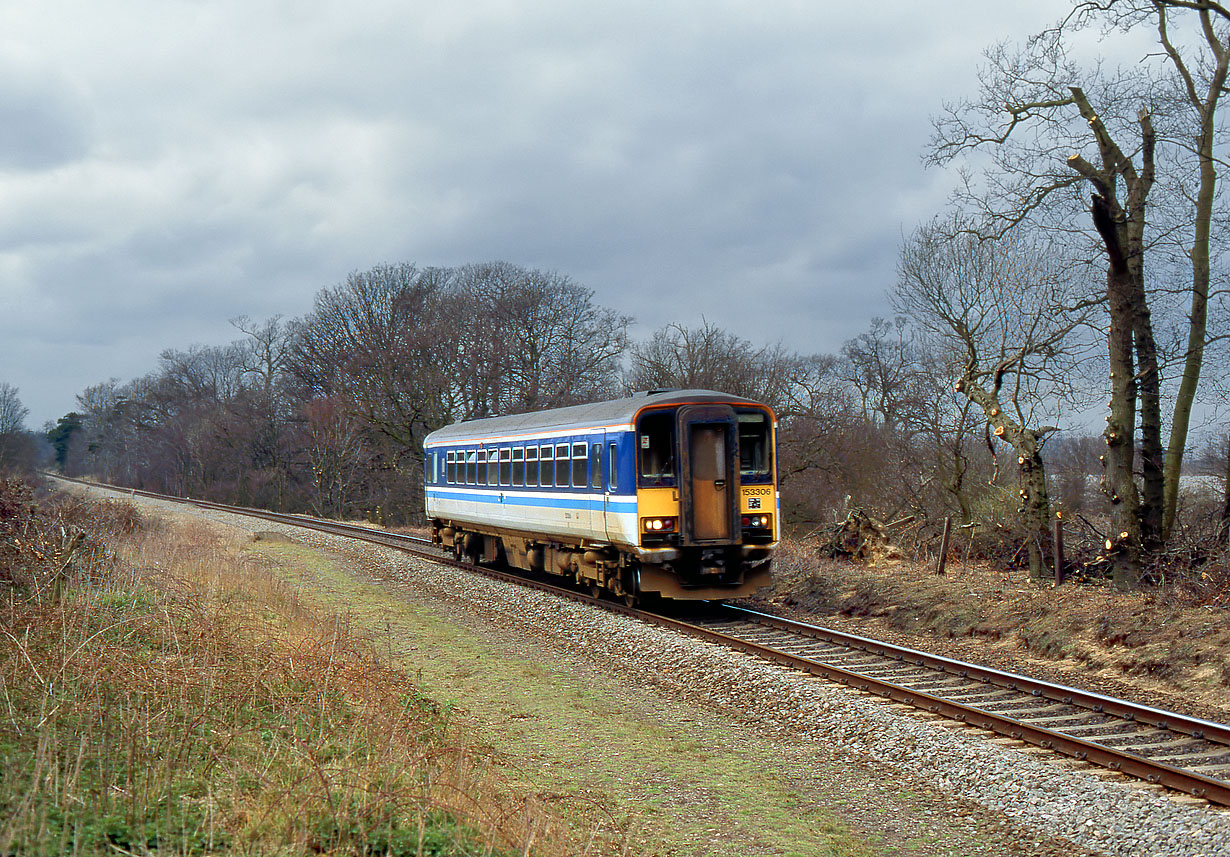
(166, 694)
(197, 694)
(1173, 639)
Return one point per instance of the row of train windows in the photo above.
(560, 466)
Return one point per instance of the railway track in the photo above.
(1162, 747)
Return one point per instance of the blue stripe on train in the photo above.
(593, 504)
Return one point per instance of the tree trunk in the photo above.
(1034, 510)
(1224, 529)
(1205, 105)
(1196, 333)
(1123, 545)
(1152, 457)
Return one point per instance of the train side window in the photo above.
(518, 466)
(548, 465)
(613, 470)
(595, 466)
(433, 472)
(493, 466)
(482, 467)
(580, 458)
(531, 465)
(505, 466)
(471, 466)
(450, 467)
(561, 465)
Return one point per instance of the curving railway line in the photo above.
(1183, 753)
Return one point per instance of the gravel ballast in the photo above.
(1093, 810)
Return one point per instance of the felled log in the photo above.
(859, 537)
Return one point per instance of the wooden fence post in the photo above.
(943, 557)
(1059, 563)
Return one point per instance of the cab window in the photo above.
(655, 449)
(755, 451)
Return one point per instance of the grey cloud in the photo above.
(43, 121)
(754, 165)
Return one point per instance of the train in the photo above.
(662, 494)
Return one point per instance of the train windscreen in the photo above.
(656, 448)
(755, 452)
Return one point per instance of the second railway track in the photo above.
(1183, 753)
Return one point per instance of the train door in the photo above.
(602, 479)
(710, 476)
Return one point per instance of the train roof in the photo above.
(611, 413)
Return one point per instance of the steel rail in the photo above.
(1213, 790)
(1162, 719)
(1191, 782)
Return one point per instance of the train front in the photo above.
(707, 501)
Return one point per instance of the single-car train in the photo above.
(669, 493)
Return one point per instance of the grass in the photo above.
(683, 780)
(265, 697)
(180, 699)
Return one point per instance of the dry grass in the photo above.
(176, 698)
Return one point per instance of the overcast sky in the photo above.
(168, 165)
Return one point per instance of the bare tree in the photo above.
(374, 344)
(708, 357)
(12, 423)
(336, 452)
(1052, 130)
(886, 369)
(263, 414)
(1002, 313)
(534, 339)
(12, 413)
(826, 451)
(1201, 66)
(266, 350)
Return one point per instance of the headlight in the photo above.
(658, 525)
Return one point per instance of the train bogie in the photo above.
(669, 492)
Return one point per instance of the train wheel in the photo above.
(595, 590)
(630, 599)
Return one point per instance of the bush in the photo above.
(45, 547)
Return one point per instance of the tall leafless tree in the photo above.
(1057, 134)
(1002, 312)
(12, 413)
(708, 357)
(534, 339)
(12, 423)
(1201, 66)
